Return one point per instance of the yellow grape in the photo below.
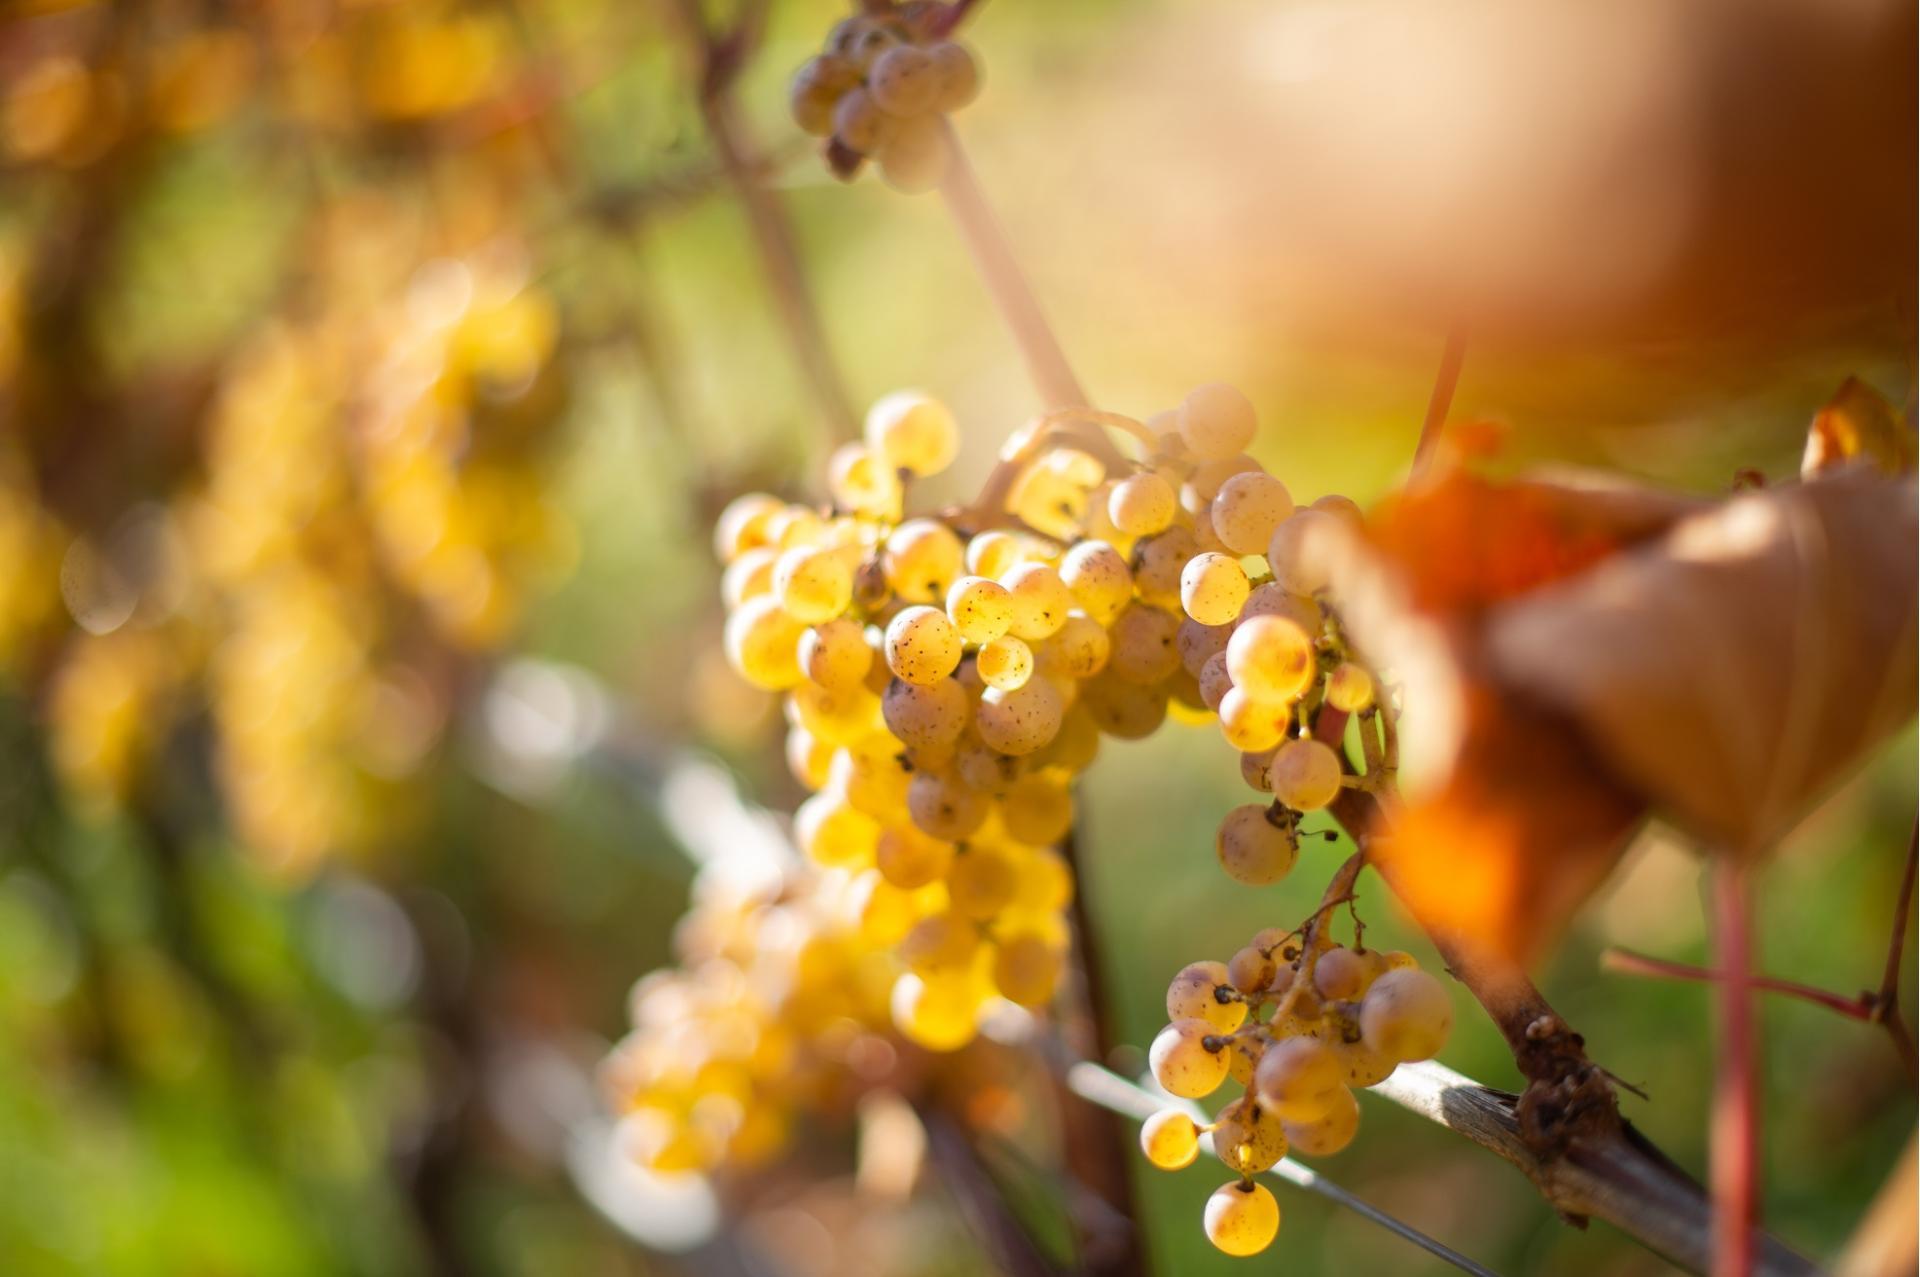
(1037, 810)
(1157, 565)
(742, 526)
(1252, 726)
(1327, 1134)
(1406, 1016)
(1027, 968)
(1271, 658)
(1081, 648)
(1247, 1137)
(981, 881)
(1252, 969)
(909, 859)
(1099, 579)
(1194, 995)
(863, 482)
(939, 1015)
(835, 655)
(904, 81)
(748, 576)
(927, 715)
(993, 554)
(1142, 642)
(1296, 1078)
(1217, 422)
(762, 642)
(1004, 664)
(980, 608)
(922, 558)
(1242, 1218)
(945, 806)
(1212, 588)
(1182, 1061)
(1340, 974)
(1306, 774)
(1254, 850)
(1350, 688)
(922, 646)
(1142, 504)
(1170, 1139)
(1247, 509)
(1022, 720)
(1040, 599)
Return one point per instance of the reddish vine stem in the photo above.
(1733, 1149)
(722, 57)
(994, 260)
(1438, 404)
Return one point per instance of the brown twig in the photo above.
(1009, 1245)
(1886, 1000)
(1734, 1138)
(722, 56)
(1444, 382)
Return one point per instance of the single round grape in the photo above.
(1271, 658)
(1247, 1137)
(981, 609)
(1027, 968)
(904, 81)
(1005, 663)
(1271, 599)
(1217, 422)
(1142, 641)
(987, 770)
(749, 576)
(762, 642)
(945, 806)
(1194, 994)
(922, 559)
(858, 122)
(980, 882)
(1075, 746)
(863, 482)
(1242, 1218)
(1041, 600)
(932, 714)
(835, 654)
(1170, 1140)
(1142, 504)
(1099, 578)
(1252, 969)
(1327, 1134)
(883, 912)
(1252, 726)
(1306, 775)
(838, 715)
(742, 526)
(1398, 960)
(813, 583)
(910, 429)
(1021, 720)
(1350, 687)
(1296, 1077)
(916, 154)
(830, 832)
(1294, 553)
(1037, 810)
(1212, 588)
(794, 526)
(959, 76)
(1406, 1016)
(816, 87)
(808, 757)
(922, 646)
(1157, 565)
(1256, 769)
(1196, 642)
(1182, 1061)
(1123, 710)
(870, 775)
(1046, 884)
(1340, 974)
(994, 553)
(910, 859)
(1364, 1066)
(1215, 682)
(1247, 509)
(1252, 849)
(940, 944)
(938, 1015)
(1343, 508)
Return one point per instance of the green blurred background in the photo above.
(235, 1040)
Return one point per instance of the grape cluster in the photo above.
(882, 90)
(944, 684)
(1298, 1024)
(778, 1006)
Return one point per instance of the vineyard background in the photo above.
(358, 1073)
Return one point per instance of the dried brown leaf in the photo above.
(1858, 423)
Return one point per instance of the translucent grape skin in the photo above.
(1212, 588)
(1247, 1137)
(922, 645)
(1247, 510)
(1005, 663)
(1183, 1064)
(1242, 1218)
(1217, 422)
(1296, 1076)
(1327, 1134)
(1306, 774)
(1022, 720)
(1142, 504)
(1253, 849)
(1406, 1015)
(980, 608)
(1170, 1140)
(1271, 658)
(1193, 995)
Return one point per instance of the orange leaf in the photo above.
(1858, 422)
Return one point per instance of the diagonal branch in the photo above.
(1438, 404)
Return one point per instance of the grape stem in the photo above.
(1734, 1129)
(1452, 355)
(722, 56)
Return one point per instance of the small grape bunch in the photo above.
(1298, 1024)
(882, 90)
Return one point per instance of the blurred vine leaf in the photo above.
(1577, 654)
(1859, 422)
